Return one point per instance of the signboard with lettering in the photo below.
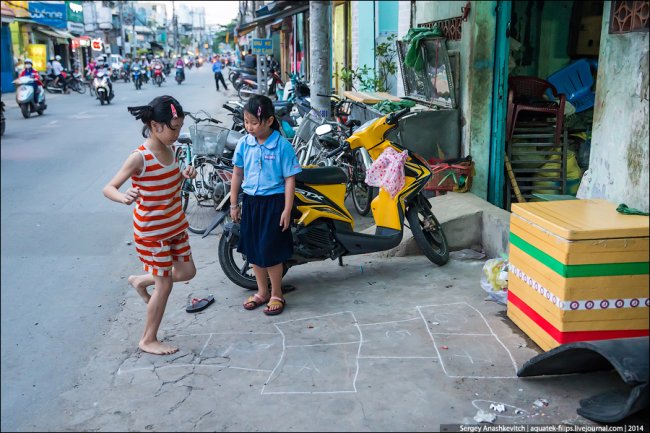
(38, 54)
(75, 11)
(50, 14)
(262, 47)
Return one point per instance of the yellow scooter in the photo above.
(324, 229)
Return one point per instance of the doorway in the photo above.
(558, 43)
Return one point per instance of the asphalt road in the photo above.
(64, 245)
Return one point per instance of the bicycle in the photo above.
(203, 195)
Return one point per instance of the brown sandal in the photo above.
(254, 301)
(275, 301)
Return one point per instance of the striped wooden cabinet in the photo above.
(578, 272)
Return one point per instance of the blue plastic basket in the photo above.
(575, 82)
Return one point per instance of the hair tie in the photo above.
(174, 114)
(259, 112)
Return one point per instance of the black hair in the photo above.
(161, 109)
(262, 108)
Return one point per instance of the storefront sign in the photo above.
(75, 11)
(262, 47)
(50, 14)
(97, 45)
(38, 54)
(75, 28)
(20, 8)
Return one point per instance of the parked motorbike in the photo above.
(137, 75)
(2, 119)
(322, 227)
(249, 86)
(157, 75)
(180, 75)
(102, 90)
(26, 99)
(236, 72)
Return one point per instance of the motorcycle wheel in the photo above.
(245, 92)
(101, 101)
(362, 193)
(428, 234)
(235, 265)
(24, 109)
(81, 88)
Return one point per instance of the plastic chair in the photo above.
(527, 93)
(575, 82)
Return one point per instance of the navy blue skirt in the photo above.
(261, 237)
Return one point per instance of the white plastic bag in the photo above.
(388, 171)
(495, 280)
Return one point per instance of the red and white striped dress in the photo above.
(158, 214)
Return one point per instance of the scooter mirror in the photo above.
(323, 129)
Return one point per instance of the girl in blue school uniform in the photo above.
(265, 166)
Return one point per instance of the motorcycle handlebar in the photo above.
(336, 151)
(229, 108)
(392, 118)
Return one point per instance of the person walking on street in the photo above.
(265, 166)
(217, 66)
(160, 227)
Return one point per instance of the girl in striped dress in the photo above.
(160, 228)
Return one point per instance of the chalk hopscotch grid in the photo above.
(359, 342)
(442, 363)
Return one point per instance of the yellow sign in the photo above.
(20, 8)
(38, 54)
(227, 36)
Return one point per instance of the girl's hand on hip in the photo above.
(285, 220)
(189, 172)
(131, 195)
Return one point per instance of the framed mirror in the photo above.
(438, 69)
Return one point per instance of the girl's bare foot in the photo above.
(137, 281)
(157, 348)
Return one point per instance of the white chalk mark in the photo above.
(284, 348)
(152, 367)
(397, 357)
(514, 364)
(205, 345)
(322, 344)
(392, 321)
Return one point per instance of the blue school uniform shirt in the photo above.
(216, 66)
(265, 165)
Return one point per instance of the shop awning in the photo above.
(291, 8)
(61, 36)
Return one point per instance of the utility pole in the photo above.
(122, 29)
(320, 65)
(175, 24)
(135, 36)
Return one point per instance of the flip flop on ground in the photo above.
(275, 306)
(254, 301)
(196, 304)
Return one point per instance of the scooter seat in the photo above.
(322, 176)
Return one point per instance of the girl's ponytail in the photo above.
(161, 109)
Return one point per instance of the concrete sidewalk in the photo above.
(380, 344)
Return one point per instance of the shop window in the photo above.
(629, 16)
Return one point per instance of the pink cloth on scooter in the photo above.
(388, 171)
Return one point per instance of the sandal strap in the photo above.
(275, 298)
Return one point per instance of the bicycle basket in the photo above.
(308, 126)
(208, 139)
